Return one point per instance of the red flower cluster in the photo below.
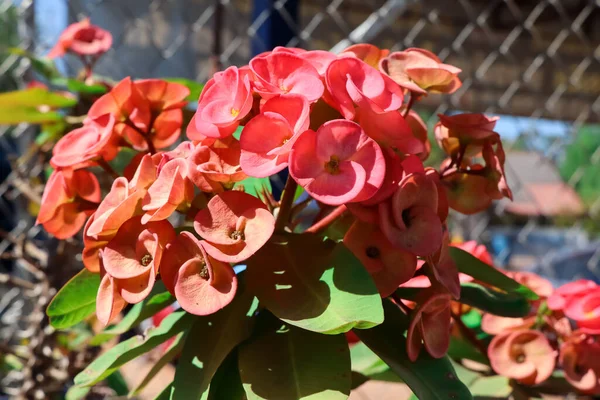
(84, 39)
(339, 123)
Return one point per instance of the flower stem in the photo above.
(285, 207)
(328, 220)
(411, 101)
(469, 335)
(106, 167)
(146, 137)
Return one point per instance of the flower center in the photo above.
(204, 271)
(333, 165)
(373, 252)
(237, 235)
(520, 358)
(146, 260)
(235, 112)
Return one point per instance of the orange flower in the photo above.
(235, 225)
(368, 53)
(132, 258)
(465, 132)
(82, 38)
(69, 197)
(421, 71)
(524, 355)
(201, 284)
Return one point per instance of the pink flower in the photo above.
(584, 309)
(201, 284)
(82, 38)
(319, 59)
(214, 167)
(267, 139)
(351, 81)
(389, 267)
(419, 130)
(337, 164)
(389, 129)
(282, 73)
(82, 147)
(419, 70)
(225, 100)
(579, 357)
(410, 220)
(524, 355)
(569, 292)
(132, 258)
(235, 225)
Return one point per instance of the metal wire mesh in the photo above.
(535, 62)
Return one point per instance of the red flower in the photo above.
(132, 258)
(338, 164)
(579, 357)
(524, 355)
(201, 284)
(225, 100)
(235, 225)
(389, 267)
(109, 302)
(351, 81)
(82, 147)
(584, 309)
(389, 129)
(421, 71)
(267, 139)
(69, 197)
(410, 218)
(82, 38)
(214, 167)
(567, 293)
(282, 73)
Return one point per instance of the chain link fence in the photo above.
(536, 63)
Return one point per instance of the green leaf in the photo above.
(116, 382)
(195, 87)
(428, 378)
(460, 349)
(227, 383)
(492, 386)
(315, 284)
(77, 393)
(168, 356)
(43, 66)
(255, 186)
(75, 301)
(35, 97)
(137, 314)
(471, 265)
(210, 340)
(472, 319)
(123, 352)
(366, 362)
(493, 301)
(77, 86)
(299, 192)
(18, 115)
(287, 363)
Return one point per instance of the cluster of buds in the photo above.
(343, 126)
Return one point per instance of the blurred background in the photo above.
(535, 63)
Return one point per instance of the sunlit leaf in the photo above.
(75, 301)
(315, 284)
(283, 362)
(210, 340)
(131, 348)
(35, 97)
(471, 265)
(493, 301)
(77, 86)
(17, 115)
(429, 378)
(255, 186)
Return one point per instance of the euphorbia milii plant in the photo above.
(179, 210)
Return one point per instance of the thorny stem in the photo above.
(106, 167)
(327, 220)
(469, 335)
(144, 135)
(285, 207)
(411, 101)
